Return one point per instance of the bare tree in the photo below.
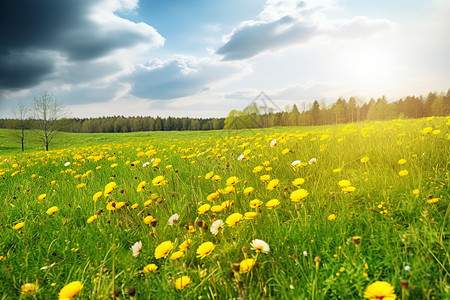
(47, 110)
(20, 112)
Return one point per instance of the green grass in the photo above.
(402, 236)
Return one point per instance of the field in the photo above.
(281, 213)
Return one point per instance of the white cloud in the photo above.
(284, 23)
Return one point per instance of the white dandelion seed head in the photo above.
(136, 248)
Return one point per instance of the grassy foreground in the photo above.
(229, 214)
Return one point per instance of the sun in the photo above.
(368, 66)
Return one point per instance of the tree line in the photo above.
(47, 116)
(342, 111)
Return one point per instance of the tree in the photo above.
(315, 113)
(20, 112)
(47, 110)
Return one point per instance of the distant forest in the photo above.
(254, 116)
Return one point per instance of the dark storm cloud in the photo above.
(21, 69)
(29, 27)
(251, 39)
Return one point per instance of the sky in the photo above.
(204, 58)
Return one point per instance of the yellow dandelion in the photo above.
(204, 208)
(182, 282)
(246, 265)
(299, 194)
(18, 226)
(298, 181)
(272, 203)
(150, 268)
(233, 219)
(205, 249)
(52, 210)
(163, 249)
(70, 290)
(380, 290)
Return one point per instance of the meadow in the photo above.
(331, 212)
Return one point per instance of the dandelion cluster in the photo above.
(263, 213)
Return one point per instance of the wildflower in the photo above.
(204, 208)
(403, 173)
(173, 219)
(52, 210)
(42, 196)
(216, 178)
(232, 180)
(272, 184)
(407, 268)
(257, 169)
(91, 219)
(248, 190)
(286, 151)
(260, 246)
(250, 215)
(217, 208)
(331, 217)
(134, 206)
(336, 170)
(81, 185)
(209, 175)
(298, 181)
(141, 186)
(136, 248)
(97, 196)
(148, 219)
(216, 226)
(18, 226)
(163, 249)
(255, 203)
(182, 282)
(109, 188)
(264, 178)
(427, 130)
(305, 253)
(28, 289)
(150, 268)
(233, 219)
(120, 204)
(191, 229)
(184, 245)
(227, 203)
(298, 195)
(380, 290)
(159, 181)
(241, 157)
(246, 265)
(434, 200)
(273, 143)
(401, 161)
(365, 159)
(416, 192)
(344, 183)
(348, 189)
(148, 202)
(312, 161)
(70, 290)
(272, 203)
(177, 255)
(205, 249)
(296, 163)
(67, 164)
(213, 196)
